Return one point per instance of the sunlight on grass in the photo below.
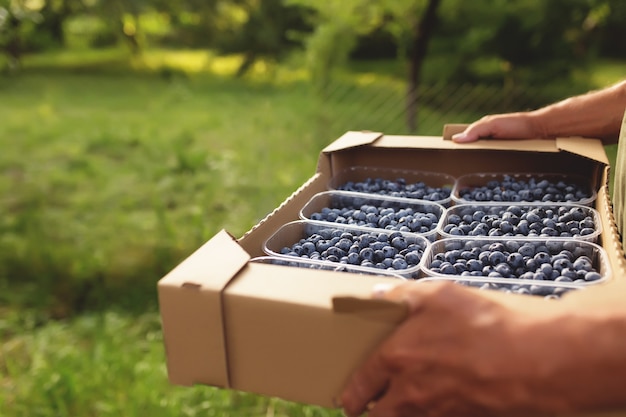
(369, 78)
(167, 63)
(189, 61)
(76, 58)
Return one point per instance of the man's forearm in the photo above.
(596, 114)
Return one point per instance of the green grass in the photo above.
(87, 367)
(119, 177)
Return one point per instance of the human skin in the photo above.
(467, 353)
(597, 114)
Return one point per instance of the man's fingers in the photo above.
(473, 132)
(464, 137)
(365, 385)
(404, 398)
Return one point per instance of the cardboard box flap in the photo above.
(590, 148)
(212, 266)
(190, 300)
(352, 139)
(370, 308)
(452, 129)
(284, 339)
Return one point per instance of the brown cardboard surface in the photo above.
(296, 333)
(284, 337)
(352, 139)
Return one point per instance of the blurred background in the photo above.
(132, 131)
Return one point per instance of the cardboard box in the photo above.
(298, 333)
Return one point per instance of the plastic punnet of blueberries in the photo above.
(541, 267)
(398, 214)
(534, 221)
(386, 251)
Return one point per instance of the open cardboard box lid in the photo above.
(298, 333)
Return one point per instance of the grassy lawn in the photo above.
(113, 171)
(110, 178)
(119, 176)
(110, 364)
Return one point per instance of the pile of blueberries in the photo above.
(398, 188)
(569, 221)
(391, 251)
(417, 219)
(557, 261)
(548, 292)
(512, 189)
(326, 266)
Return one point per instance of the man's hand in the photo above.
(502, 126)
(460, 353)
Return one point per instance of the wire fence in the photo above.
(364, 103)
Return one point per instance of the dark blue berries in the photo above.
(547, 262)
(405, 220)
(378, 212)
(520, 188)
(567, 221)
(546, 291)
(398, 187)
(390, 251)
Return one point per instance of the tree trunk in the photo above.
(131, 37)
(13, 46)
(53, 22)
(421, 36)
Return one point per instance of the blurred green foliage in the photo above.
(525, 39)
(109, 182)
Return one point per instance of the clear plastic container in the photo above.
(577, 221)
(375, 211)
(403, 183)
(546, 290)
(320, 265)
(451, 251)
(481, 181)
(290, 239)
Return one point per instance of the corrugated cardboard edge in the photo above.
(580, 146)
(271, 222)
(611, 240)
(348, 140)
(190, 300)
